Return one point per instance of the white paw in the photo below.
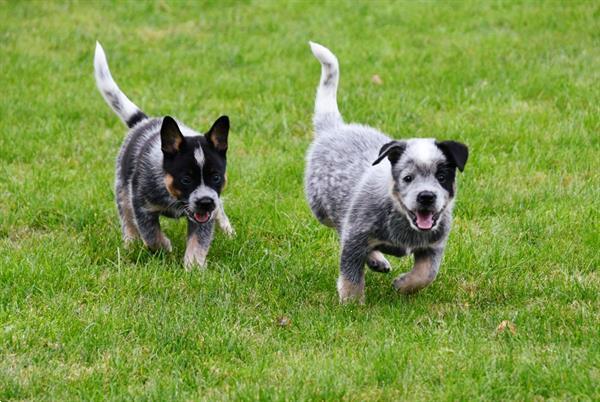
(350, 292)
(227, 228)
(166, 244)
(192, 261)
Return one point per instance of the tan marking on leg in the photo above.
(195, 254)
(170, 186)
(350, 291)
(415, 280)
(129, 230)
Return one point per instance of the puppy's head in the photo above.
(423, 173)
(195, 166)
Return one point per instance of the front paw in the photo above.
(128, 242)
(227, 229)
(406, 284)
(192, 261)
(195, 254)
(350, 291)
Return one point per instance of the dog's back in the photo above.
(337, 160)
(340, 154)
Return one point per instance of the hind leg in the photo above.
(321, 215)
(351, 282)
(128, 228)
(148, 226)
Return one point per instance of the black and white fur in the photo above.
(165, 168)
(381, 195)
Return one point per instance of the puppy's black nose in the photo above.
(426, 198)
(205, 204)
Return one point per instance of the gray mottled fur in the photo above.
(369, 205)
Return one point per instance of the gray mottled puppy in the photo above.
(383, 196)
(165, 168)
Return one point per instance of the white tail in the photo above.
(326, 108)
(116, 99)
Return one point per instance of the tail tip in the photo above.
(100, 62)
(315, 47)
(322, 53)
(99, 50)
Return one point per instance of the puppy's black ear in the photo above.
(393, 150)
(217, 135)
(455, 152)
(171, 139)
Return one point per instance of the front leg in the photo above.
(223, 221)
(198, 242)
(149, 227)
(425, 269)
(351, 282)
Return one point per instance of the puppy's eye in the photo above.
(407, 179)
(216, 178)
(186, 180)
(440, 176)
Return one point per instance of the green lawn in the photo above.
(83, 318)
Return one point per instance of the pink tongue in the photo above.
(201, 217)
(424, 220)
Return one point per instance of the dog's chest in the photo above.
(170, 210)
(172, 213)
(397, 234)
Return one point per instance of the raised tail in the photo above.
(116, 99)
(326, 108)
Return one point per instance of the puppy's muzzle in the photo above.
(425, 217)
(204, 208)
(426, 198)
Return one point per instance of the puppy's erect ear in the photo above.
(217, 135)
(393, 150)
(171, 139)
(455, 152)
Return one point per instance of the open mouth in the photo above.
(201, 217)
(424, 220)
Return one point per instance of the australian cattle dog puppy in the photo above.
(165, 168)
(383, 196)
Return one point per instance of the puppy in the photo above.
(165, 168)
(383, 196)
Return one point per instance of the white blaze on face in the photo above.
(199, 156)
(424, 151)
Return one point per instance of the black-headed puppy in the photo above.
(165, 168)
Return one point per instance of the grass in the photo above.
(83, 318)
